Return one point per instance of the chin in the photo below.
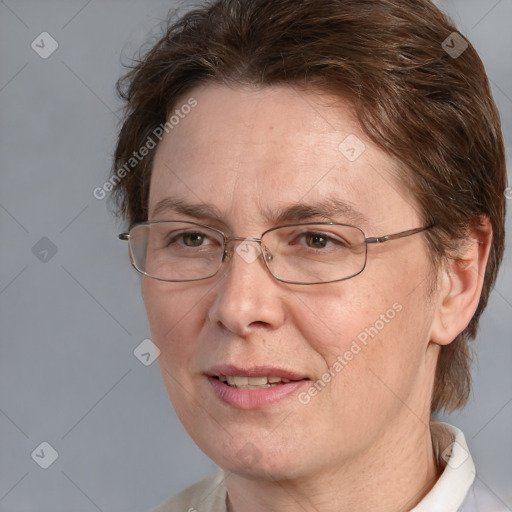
(244, 455)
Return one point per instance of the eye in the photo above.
(319, 240)
(190, 239)
(195, 239)
(316, 240)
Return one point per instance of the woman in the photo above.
(284, 168)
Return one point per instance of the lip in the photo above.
(250, 399)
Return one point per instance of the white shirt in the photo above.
(458, 489)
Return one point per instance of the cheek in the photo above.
(175, 318)
(356, 340)
(369, 337)
(331, 318)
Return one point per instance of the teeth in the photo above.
(258, 381)
(251, 382)
(239, 381)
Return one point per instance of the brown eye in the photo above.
(316, 240)
(193, 239)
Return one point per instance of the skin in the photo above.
(362, 443)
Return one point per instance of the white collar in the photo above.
(450, 490)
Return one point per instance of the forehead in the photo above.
(249, 152)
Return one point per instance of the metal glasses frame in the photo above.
(226, 239)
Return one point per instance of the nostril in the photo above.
(259, 324)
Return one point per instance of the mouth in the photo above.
(241, 382)
(254, 387)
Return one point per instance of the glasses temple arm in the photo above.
(394, 236)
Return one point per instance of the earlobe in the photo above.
(461, 284)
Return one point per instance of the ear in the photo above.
(461, 282)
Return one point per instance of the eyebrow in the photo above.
(197, 210)
(329, 209)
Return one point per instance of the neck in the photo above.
(391, 477)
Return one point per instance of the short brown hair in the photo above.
(431, 110)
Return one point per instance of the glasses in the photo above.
(323, 252)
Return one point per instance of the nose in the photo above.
(248, 298)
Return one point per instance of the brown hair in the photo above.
(431, 110)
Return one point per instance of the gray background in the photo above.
(69, 325)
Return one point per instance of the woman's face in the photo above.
(239, 160)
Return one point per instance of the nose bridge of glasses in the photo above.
(241, 239)
(248, 248)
